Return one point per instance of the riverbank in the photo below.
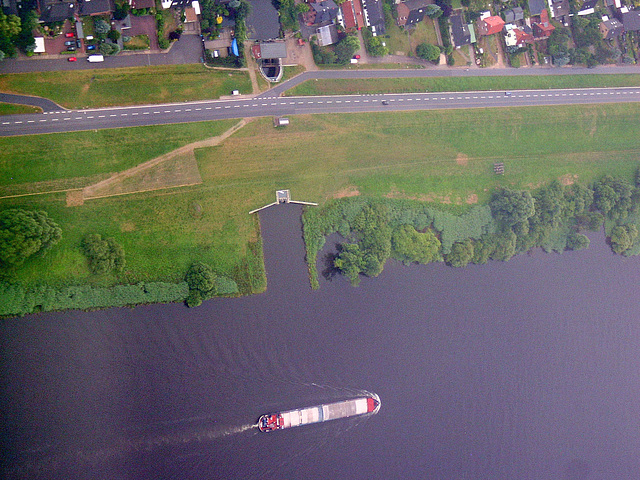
(443, 160)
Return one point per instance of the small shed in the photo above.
(280, 121)
(283, 196)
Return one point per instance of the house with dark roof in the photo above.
(142, 3)
(326, 11)
(10, 7)
(411, 11)
(490, 25)
(536, 7)
(327, 35)
(559, 9)
(543, 28)
(95, 7)
(630, 19)
(460, 31)
(55, 11)
(514, 15)
(588, 7)
(611, 28)
(374, 16)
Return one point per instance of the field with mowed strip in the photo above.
(444, 157)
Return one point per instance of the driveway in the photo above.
(187, 50)
(145, 25)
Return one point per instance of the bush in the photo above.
(163, 43)
(104, 256)
(25, 233)
(411, 246)
(577, 241)
(18, 300)
(461, 254)
(203, 283)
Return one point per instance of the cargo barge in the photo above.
(319, 413)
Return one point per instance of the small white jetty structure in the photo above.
(283, 196)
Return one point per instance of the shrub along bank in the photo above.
(514, 221)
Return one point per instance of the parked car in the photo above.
(91, 47)
(71, 49)
(89, 37)
(357, 57)
(72, 59)
(69, 35)
(78, 43)
(70, 42)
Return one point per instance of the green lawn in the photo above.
(127, 86)
(459, 84)
(84, 154)
(439, 156)
(292, 71)
(11, 108)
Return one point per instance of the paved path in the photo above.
(69, 121)
(44, 103)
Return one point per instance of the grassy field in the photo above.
(11, 108)
(440, 156)
(84, 154)
(127, 86)
(459, 84)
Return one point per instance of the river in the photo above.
(528, 369)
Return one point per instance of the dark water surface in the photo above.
(522, 370)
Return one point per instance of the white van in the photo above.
(95, 58)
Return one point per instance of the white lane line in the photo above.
(43, 120)
(134, 114)
(178, 110)
(156, 113)
(227, 106)
(21, 122)
(263, 104)
(198, 109)
(78, 118)
(300, 103)
(101, 116)
(187, 109)
(356, 101)
(31, 121)
(236, 106)
(310, 103)
(208, 108)
(90, 116)
(124, 114)
(6, 123)
(254, 105)
(55, 119)
(69, 118)
(146, 113)
(274, 103)
(218, 108)
(347, 101)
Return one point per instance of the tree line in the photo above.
(552, 217)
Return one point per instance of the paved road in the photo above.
(445, 72)
(185, 51)
(67, 121)
(44, 103)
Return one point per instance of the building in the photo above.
(411, 11)
(490, 25)
(611, 28)
(327, 35)
(630, 19)
(347, 16)
(374, 16)
(94, 7)
(559, 9)
(516, 37)
(55, 11)
(514, 15)
(536, 7)
(325, 12)
(460, 31)
(588, 7)
(39, 45)
(139, 4)
(543, 28)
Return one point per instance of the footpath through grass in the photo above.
(445, 157)
(127, 86)
(459, 84)
(11, 108)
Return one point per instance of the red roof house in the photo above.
(543, 29)
(348, 16)
(490, 25)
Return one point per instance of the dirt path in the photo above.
(99, 189)
(251, 67)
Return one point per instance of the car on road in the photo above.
(69, 34)
(69, 43)
(72, 59)
(507, 94)
(91, 47)
(385, 102)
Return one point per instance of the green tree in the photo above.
(24, 233)
(577, 241)
(461, 254)
(105, 255)
(101, 27)
(201, 281)
(433, 11)
(345, 48)
(350, 261)
(428, 51)
(622, 237)
(511, 206)
(505, 246)
(409, 245)
(121, 11)
(113, 35)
